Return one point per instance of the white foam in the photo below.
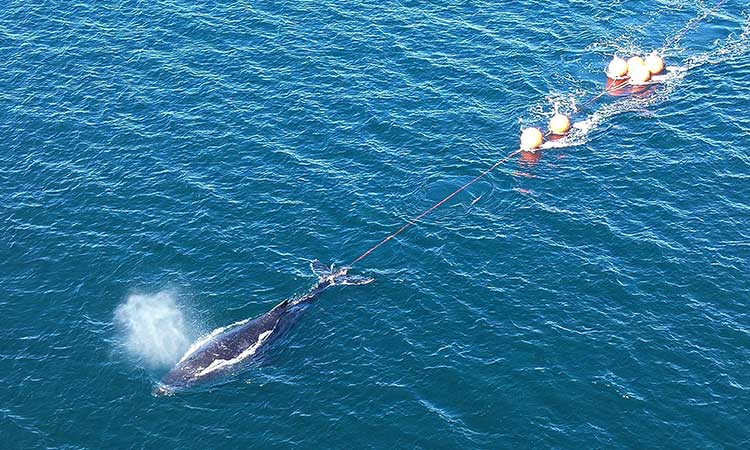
(733, 46)
(221, 363)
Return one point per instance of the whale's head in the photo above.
(180, 377)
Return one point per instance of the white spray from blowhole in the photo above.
(155, 330)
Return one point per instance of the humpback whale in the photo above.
(225, 347)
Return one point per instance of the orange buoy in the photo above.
(639, 74)
(634, 61)
(531, 139)
(559, 123)
(654, 63)
(617, 67)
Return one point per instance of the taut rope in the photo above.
(416, 219)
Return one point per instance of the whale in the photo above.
(224, 349)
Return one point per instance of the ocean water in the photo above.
(170, 167)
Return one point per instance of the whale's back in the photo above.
(224, 348)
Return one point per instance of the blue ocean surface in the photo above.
(171, 167)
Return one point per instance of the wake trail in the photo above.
(733, 46)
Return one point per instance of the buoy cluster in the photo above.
(635, 71)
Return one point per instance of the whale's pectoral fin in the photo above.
(161, 391)
(353, 280)
(319, 269)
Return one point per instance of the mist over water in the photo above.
(155, 329)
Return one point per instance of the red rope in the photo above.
(432, 208)
(605, 91)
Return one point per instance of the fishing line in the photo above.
(614, 87)
(416, 219)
